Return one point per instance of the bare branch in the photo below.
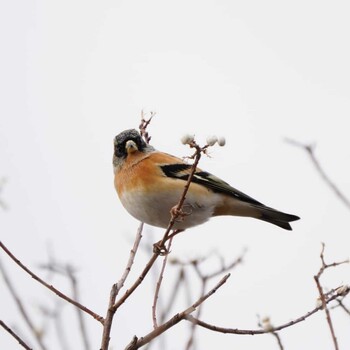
(50, 287)
(76, 297)
(144, 124)
(159, 282)
(22, 309)
(136, 343)
(116, 288)
(225, 330)
(310, 151)
(266, 324)
(323, 299)
(14, 335)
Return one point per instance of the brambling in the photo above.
(150, 183)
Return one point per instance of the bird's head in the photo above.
(128, 142)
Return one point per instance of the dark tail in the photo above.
(276, 217)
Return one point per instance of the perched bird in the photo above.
(150, 183)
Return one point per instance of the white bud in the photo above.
(221, 141)
(319, 302)
(266, 324)
(343, 290)
(187, 139)
(211, 140)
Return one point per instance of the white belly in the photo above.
(154, 209)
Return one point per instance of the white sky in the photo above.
(73, 74)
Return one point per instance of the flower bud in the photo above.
(187, 139)
(211, 140)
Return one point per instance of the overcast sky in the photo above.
(73, 74)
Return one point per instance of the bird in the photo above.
(150, 183)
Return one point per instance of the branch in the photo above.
(310, 151)
(14, 335)
(25, 315)
(137, 343)
(107, 326)
(144, 124)
(225, 330)
(322, 295)
(50, 287)
(159, 283)
(68, 272)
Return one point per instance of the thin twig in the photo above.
(310, 151)
(227, 330)
(323, 267)
(159, 283)
(80, 315)
(343, 307)
(279, 341)
(136, 343)
(14, 335)
(144, 124)
(265, 324)
(204, 279)
(174, 292)
(22, 309)
(50, 287)
(116, 288)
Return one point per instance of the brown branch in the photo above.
(227, 330)
(144, 124)
(310, 151)
(279, 341)
(68, 271)
(343, 307)
(204, 279)
(76, 297)
(266, 324)
(22, 309)
(50, 287)
(107, 326)
(14, 335)
(136, 343)
(159, 283)
(172, 297)
(323, 299)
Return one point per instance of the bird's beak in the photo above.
(131, 147)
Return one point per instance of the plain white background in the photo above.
(76, 73)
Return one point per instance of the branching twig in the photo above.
(136, 343)
(50, 287)
(22, 309)
(159, 283)
(115, 290)
(265, 324)
(310, 151)
(204, 279)
(225, 330)
(14, 335)
(144, 124)
(68, 271)
(323, 299)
